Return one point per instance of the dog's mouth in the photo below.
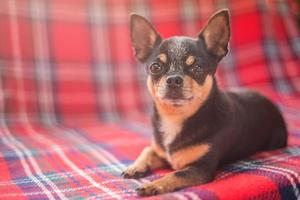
(177, 101)
(175, 96)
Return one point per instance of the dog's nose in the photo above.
(174, 81)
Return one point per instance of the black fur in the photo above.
(236, 124)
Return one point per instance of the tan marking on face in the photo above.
(163, 57)
(190, 60)
(150, 87)
(186, 156)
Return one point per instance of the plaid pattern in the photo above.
(73, 99)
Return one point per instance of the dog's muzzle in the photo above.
(174, 85)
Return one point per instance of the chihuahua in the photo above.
(197, 128)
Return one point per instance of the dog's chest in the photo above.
(170, 129)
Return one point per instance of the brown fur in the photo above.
(147, 160)
(183, 157)
(169, 183)
(188, 155)
(163, 58)
(158, 149)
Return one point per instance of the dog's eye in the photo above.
(155, 68)
(197, 69)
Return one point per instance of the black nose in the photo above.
(174, 81)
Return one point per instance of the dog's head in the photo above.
(180, 69)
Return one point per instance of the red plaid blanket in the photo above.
(74, 111)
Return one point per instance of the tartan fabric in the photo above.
(74, 106)
(85, 161)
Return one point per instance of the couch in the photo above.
(75, 111)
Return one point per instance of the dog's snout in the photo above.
(174, 81)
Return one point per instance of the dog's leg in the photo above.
(189, 176)
(148, 160)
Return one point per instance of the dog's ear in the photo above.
(143, 37)
(216, 33)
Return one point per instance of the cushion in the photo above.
(67, 61)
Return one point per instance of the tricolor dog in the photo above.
(196, 126)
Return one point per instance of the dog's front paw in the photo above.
(149, 189)
(135, 172)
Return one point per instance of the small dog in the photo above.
(197, 127)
